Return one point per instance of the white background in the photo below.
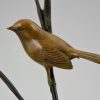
(75, 21)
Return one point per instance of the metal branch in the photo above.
(45, 20)
(47, 15)
(40, 14)
(47, 7)
(10, 86)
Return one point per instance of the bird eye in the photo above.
(20, 29)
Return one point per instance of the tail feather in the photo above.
(89, 56)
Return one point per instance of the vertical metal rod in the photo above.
(45, 20)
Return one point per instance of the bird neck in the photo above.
(39, 32)
(36, 34)
(24, 37)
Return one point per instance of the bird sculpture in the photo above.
(48, 49)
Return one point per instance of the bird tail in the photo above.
(89, 56)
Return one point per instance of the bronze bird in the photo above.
(48, 49)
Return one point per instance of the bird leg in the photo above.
(51, 81)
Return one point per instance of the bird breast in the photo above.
(32, 47)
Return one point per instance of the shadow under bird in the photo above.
(48, 49)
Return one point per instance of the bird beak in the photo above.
(11, 28)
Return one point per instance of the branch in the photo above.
(45, 15)
(45, 20)
(10, 86)
(40, 14)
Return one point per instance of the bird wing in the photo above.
(55, 57)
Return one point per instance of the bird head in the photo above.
(26, 27)
(21, 25)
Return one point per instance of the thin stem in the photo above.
(40, 14)
(10, 86)
(45, 20)
(47, 15)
